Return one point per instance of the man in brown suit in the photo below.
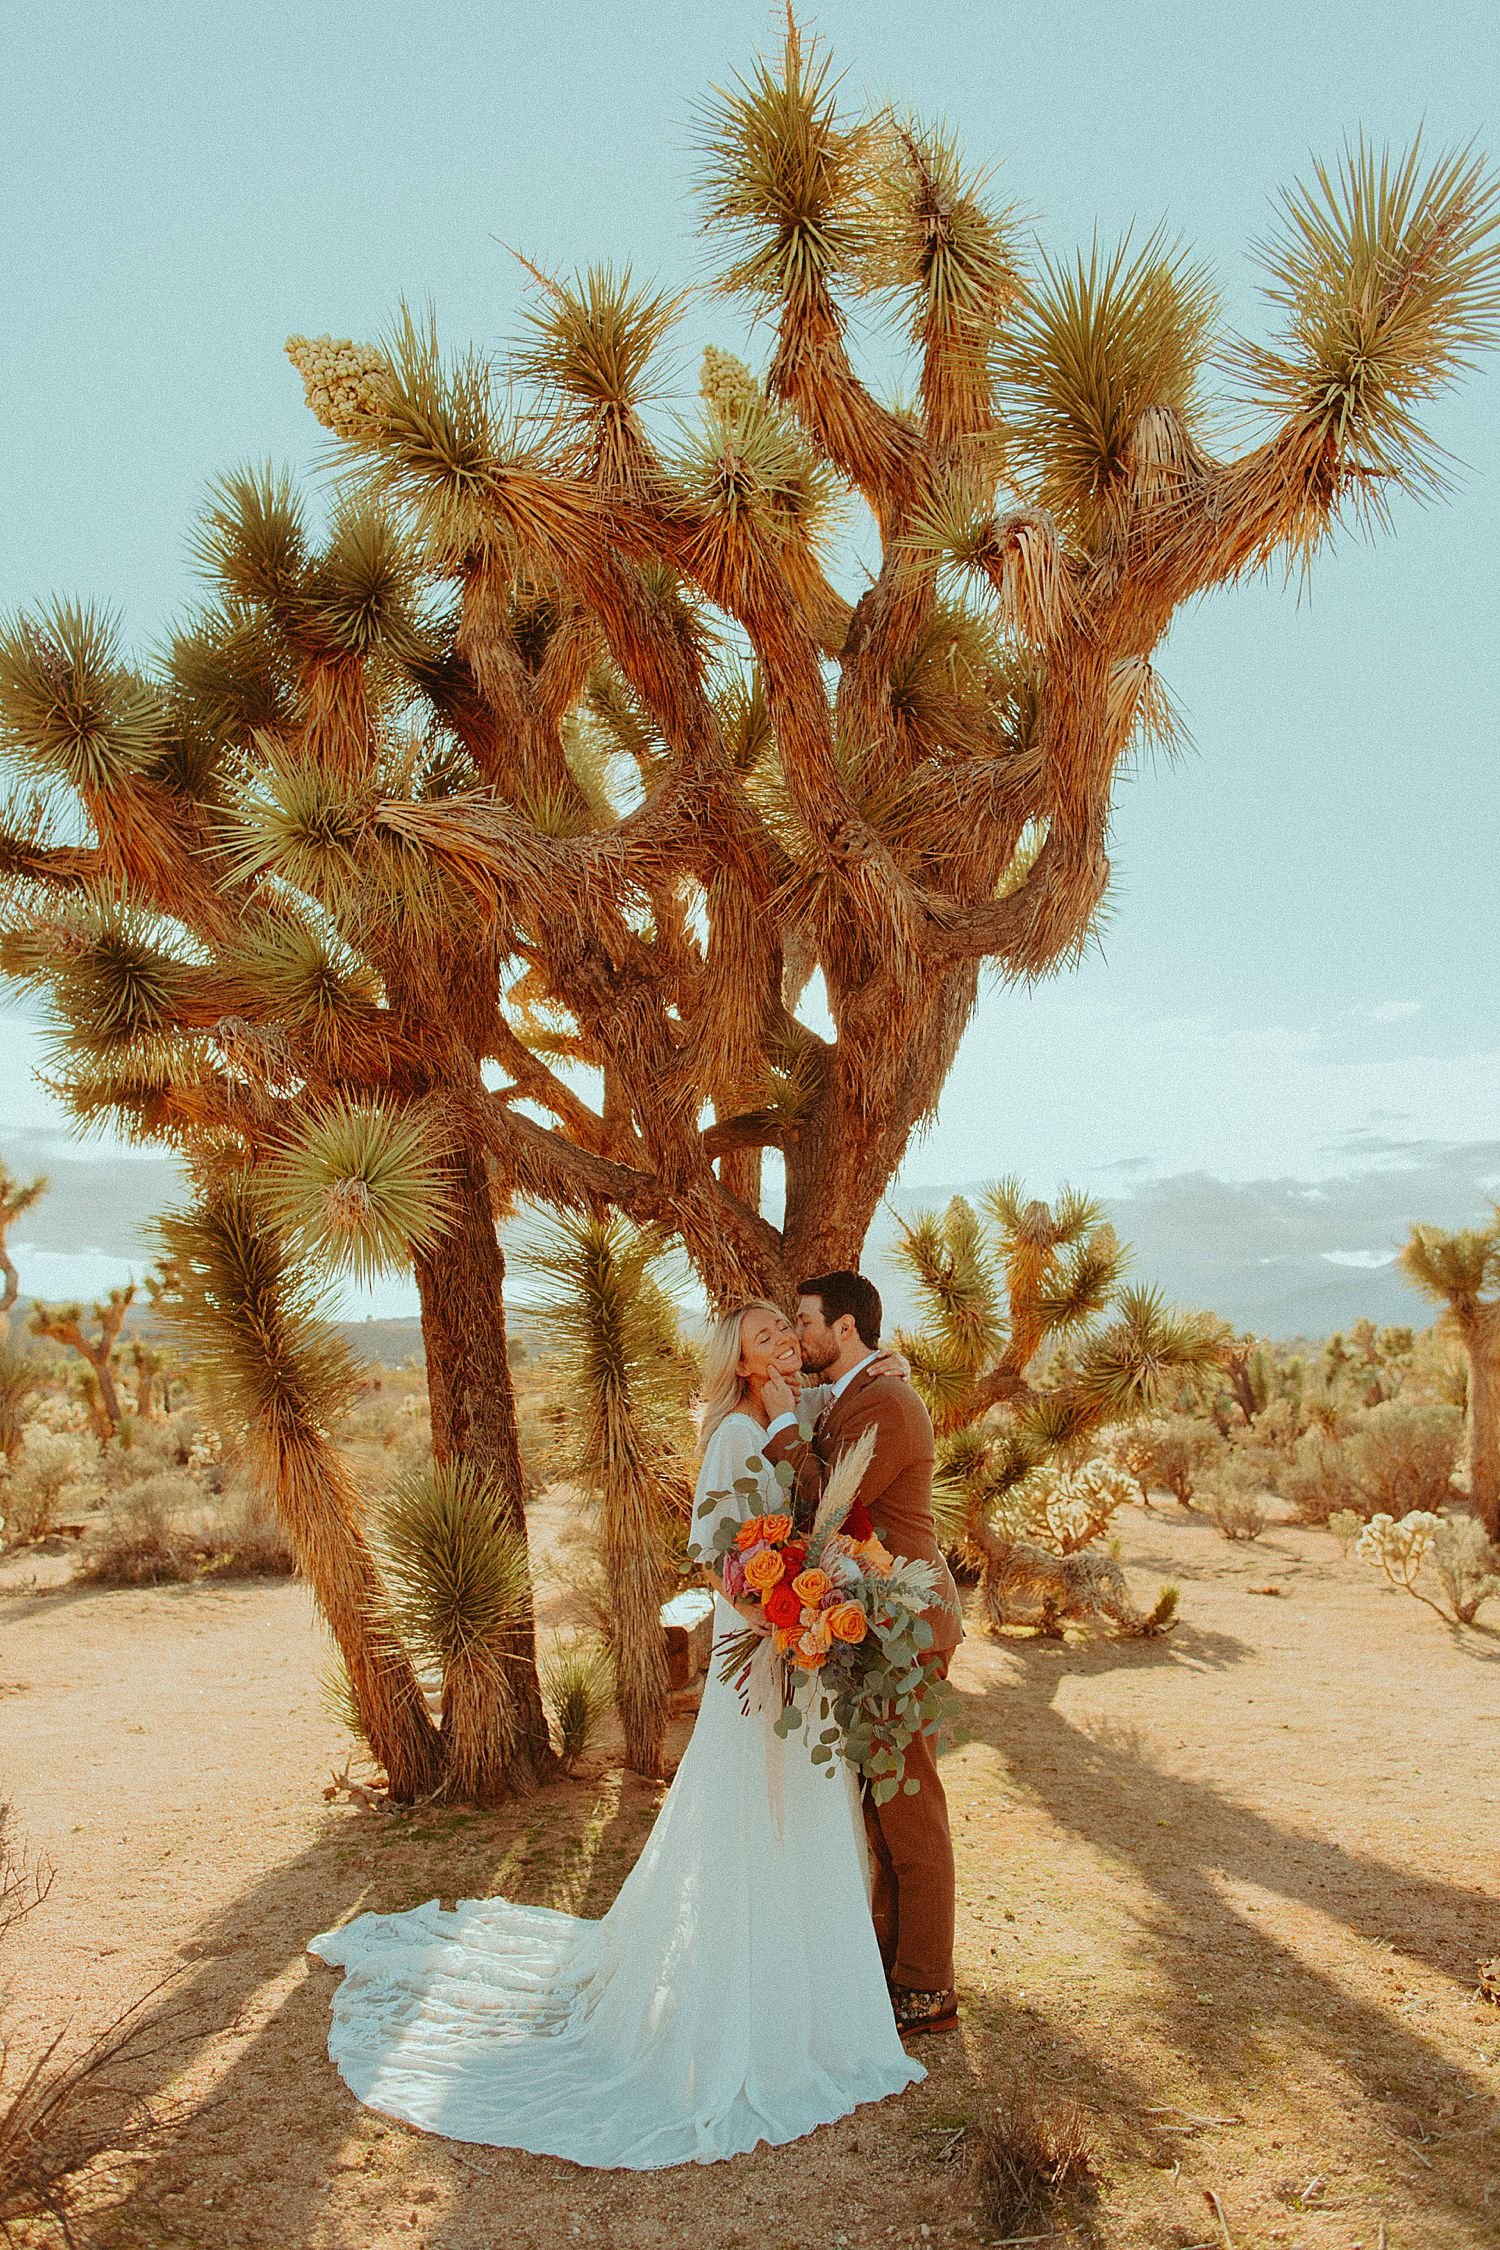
(838, 1325)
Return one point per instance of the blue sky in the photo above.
(1303, 950)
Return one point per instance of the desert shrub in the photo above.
(1319, 1481)
(1397, 1457)
(147, 1538)
(1167, 1453)
(1467, 1563)
(1028, 2163)
(142, 1450)
(247, 1541)
(168, 1528)
(1232, 1495)
(1404, 1455)
(578, 1687)
(377, 1421)
(54, 1471)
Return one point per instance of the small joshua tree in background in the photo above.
(1461, 1272)
(1032, 1346)
(65, 1324)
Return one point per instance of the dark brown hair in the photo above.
(840, 1293)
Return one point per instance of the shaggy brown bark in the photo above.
(320, 1508)
(1479, 1334)
(493, 1718)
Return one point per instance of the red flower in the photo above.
(794, 1557)
(859, 1523)
(782, 1606)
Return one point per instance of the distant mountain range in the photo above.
(1282, 1257)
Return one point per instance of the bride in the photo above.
(734, 1991)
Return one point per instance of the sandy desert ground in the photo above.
(1228, 1889)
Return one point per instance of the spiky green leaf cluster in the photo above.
(455, 1565)
(359, 1187)
(1093, 346)
(250, 1314)
(1386, 273)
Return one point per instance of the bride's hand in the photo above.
(777, 1396)
(892, 1363)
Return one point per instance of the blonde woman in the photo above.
(734, 1991)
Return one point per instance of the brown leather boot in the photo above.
(923, 2011)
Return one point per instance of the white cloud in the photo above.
(1393, 1011)
(1062, 1084)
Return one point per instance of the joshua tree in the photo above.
(1461, 1272)
(473, 787)
(286, 1377)
(1031, 1345)
(20, 1373)
(15, 1200)
(64, 1324)
(627, 1375)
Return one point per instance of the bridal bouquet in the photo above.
(847, 1635)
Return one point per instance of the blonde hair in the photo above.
(724, 1387)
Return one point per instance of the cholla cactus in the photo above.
(1399, 1545)
(1065, 1509)
(1468, 1566)
(347, 384)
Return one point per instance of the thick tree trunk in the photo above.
(1481, 1338)
(849, 1150)
(493, 1721)
(632, 1561)
(319, 1508)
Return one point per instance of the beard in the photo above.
(816, 1357)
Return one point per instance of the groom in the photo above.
(838, 1326)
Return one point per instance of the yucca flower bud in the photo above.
(727, 384)
(346, 384)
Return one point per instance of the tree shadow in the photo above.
(568, 1845)
(1182, 1839)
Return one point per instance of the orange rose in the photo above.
(810, 1586)
(750, 1533)
(775, 1529)
(809, 1660)
(876, 1557)
(786, 1638)
(847, 1622)
(762, 1569)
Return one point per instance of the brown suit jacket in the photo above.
(897, 1485)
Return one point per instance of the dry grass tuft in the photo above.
(1028, 2163)
(59, 2112)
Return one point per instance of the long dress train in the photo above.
(733, 1993)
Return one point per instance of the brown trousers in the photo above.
(912, 1854)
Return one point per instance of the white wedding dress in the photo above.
(732, 1994)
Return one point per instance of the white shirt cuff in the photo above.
(782, 1422)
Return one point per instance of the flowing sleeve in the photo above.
(734, 1483)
